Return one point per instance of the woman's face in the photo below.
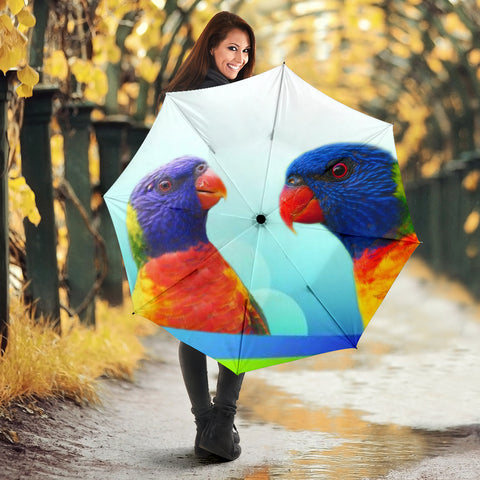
(231, 54)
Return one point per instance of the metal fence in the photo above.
(93, 266)
(445, 210)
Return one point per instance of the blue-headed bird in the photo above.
(355, 190)
(183, 281)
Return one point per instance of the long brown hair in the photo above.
(194, 69)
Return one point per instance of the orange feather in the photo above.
(196, 290)
(376, 270)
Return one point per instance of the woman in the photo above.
(224, 53)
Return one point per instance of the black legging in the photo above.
(194, 370)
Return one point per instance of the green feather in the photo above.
(406, 227)
(136, 238)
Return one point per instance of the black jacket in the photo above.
(213, 79)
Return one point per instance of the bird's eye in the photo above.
(294, 181)
(339, 170)
(164, 185)
(201, 168)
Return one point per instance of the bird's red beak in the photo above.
(210, 189)
(298, 204)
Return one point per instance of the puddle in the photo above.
(306, 397)
(401, 398)
(365, 450)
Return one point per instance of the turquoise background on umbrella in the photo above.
(304, 280)
(258, 255)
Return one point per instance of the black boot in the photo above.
(236, 435)
(201, 422)
(218, 436)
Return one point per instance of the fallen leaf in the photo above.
(10, 435)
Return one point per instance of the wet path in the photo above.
(409, 394)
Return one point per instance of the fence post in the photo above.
(471, 205)
(111, 138)
(41, 240)
(137, 133)
(5, 93)
(435, 204)
(452, 224)
(417, 192)
(75, 122)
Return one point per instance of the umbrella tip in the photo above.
(261, 219)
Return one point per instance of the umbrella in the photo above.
(237, 229)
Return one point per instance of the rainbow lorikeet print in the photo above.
(226, 275)
(355, 190)
(183, 281)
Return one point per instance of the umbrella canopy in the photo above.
(261, 221)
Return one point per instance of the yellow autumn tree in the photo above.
(410, 62)
(15, 21)
(116, 54)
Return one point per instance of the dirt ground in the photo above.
(144, 430)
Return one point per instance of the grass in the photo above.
(39, 363)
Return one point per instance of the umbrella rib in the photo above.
(189, 122)
(154, 299)
(180, 280)
(272, 135)
(219, 164)
(369, 140)
(333, 318)
(310, 289)
(405, 239)
(240, 347)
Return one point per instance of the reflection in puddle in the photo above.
(367, 450)
(355, 414)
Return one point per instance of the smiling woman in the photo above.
(224, 53)
(231, 54)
